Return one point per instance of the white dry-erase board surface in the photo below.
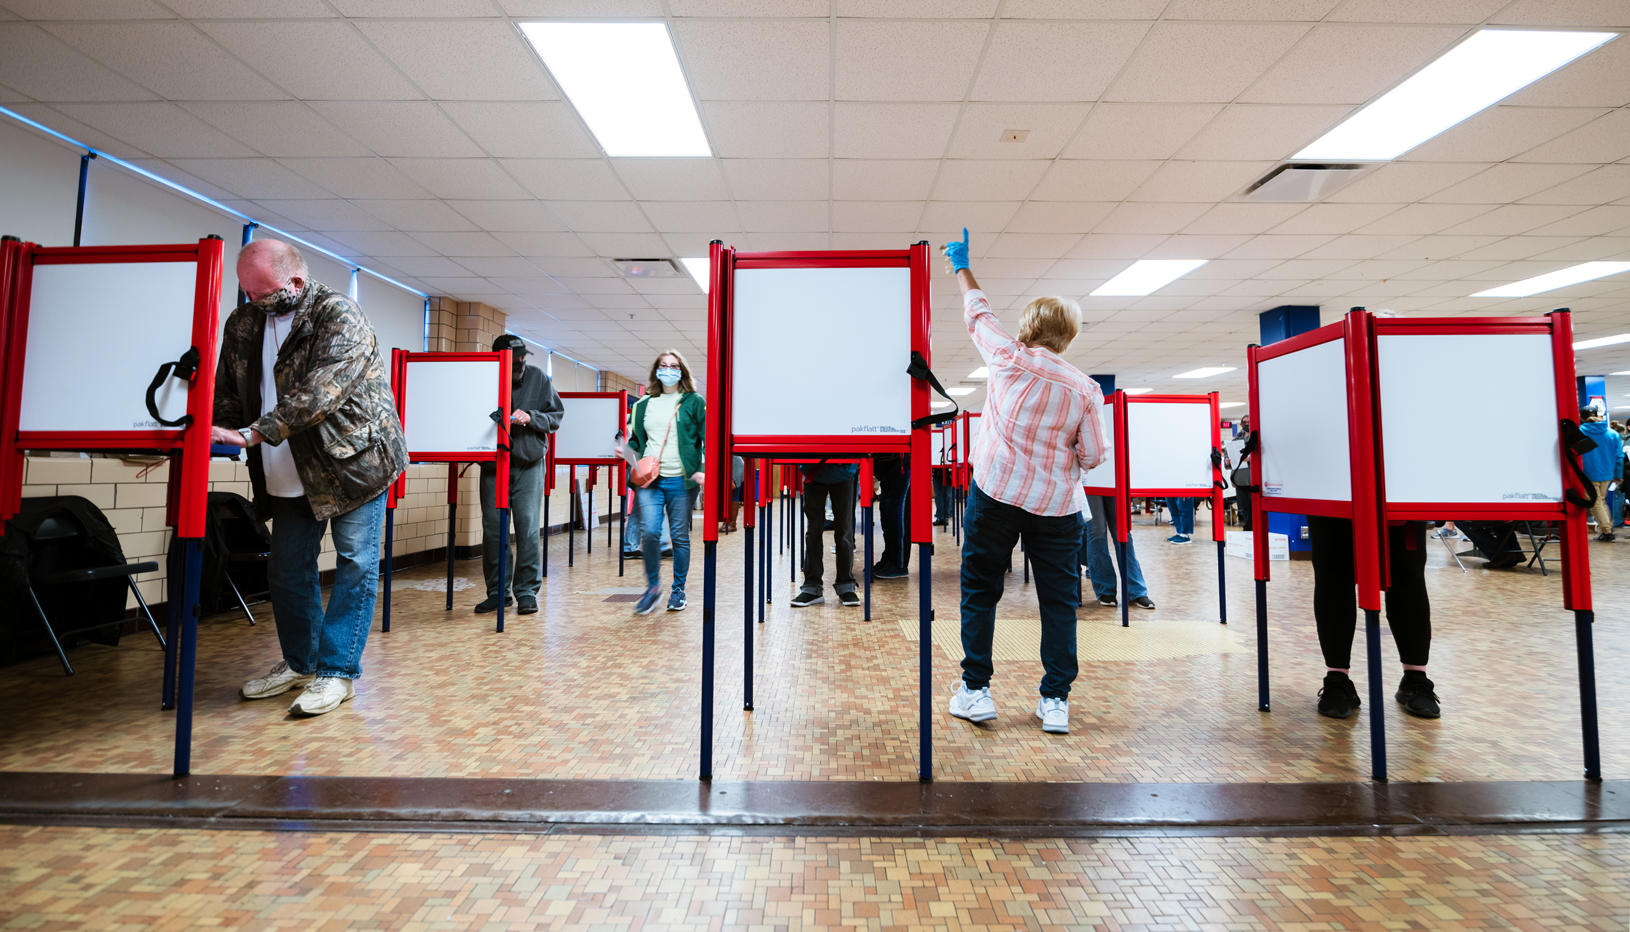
(1103, 476)
(940, 444)
(1302, 397)
(1417, 439)
(449, 403)
(1169, 446)
(822, 352)
(588, 429)
(97, 334)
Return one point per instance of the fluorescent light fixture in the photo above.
(1602, 341)
(1561, 278)
(1147, 275)
(983, 372)
(1231, 404)
(1626, 372)
(1137, 391)
(1206, 372)
(968, 390)
(625, 81)
(1479, 72)
(699, 269)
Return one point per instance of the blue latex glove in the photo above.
(958, 252)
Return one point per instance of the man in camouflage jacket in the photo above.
(324, 443)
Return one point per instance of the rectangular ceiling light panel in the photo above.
(1603, 341)
(625, 81)
(1561, 278)
(983, 372)
(1137, 391)
(1479, 72)
(1204, 372)
(1146, 276)
(700, 269)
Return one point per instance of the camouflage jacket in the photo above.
(335, 408)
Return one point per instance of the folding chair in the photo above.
(55, 534)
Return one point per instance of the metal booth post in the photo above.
(865, 482)
(716, 457)
(747, 601)
(1219, 531)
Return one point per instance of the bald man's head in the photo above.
(266, 266)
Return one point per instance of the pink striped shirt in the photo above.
(1039, 432)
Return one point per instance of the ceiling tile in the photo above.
(544, 129)
(247, 9)
(1502, 184)
(357, 178)
(278, 128)
(463, 244)
(1054, 61)
(775, 179)
(161, 129)
(1083, 9)
(624, 244)
(576, 267)
(399, 128)
(783, 216)
(729, 8)
(1138, 131)
(539, 247)
(1608, 183)
(863, 180)
(979, 132)
(254, 179)
(1199, 181)
(1189, 62)
(1093, 180)
(712, 217)
(411, 215)
(560, 179)
(875, 216)
(1279, 10)
(1334, 218)
(672, 179)
(324, 60)
(173, 60)
(1059, 216)
(999, 180)
(1423, 219)
(916, 9)
(387, 243)
(1513, 248)
(918, 60)
(326, 214)
(1150, 218)
(474, 179)
(948, 218)
(601, 216)
(879, 131)
(1261, 132)
(756, 60)
(1438, 248)
(1596, 221)
(1193, 246)
(1278, 247)
(1606, 139)
(1404, 182)
(1115, 246)
(44, 67)
(463, 60)
(1336, 64)
(168, 170)
(508, 215)
(1500, 133)
(1464, 12)
(1610, 13)
(759, 130)
(502, 267)
(787, 242)
(1243, 218)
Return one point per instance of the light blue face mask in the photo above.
(668, 377)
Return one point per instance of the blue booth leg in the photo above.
(1222, 582)
(187, 657)
(866, 570)
(1120, 554)
(1378, 720)
(503, 559)
(1262, 646)
(747, 606)
(710, 574)
(1582, 622)
(176, 564)
(925, 663)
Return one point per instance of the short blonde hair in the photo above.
(1051, 322)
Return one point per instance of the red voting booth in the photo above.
(454, 409)
(153, 390)
(1161, 446)
(1340, 432)
(588, 434)
(777, 323)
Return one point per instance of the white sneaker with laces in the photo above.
(323, 695)
(1054, 715)
(275, 683)
(975, 705)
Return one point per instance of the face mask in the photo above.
(279, 302)
(668, 377)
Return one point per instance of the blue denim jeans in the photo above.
(632, 528)
(314, 640)
(1182, 515)
(665, 498)
(1095, 552)
(1053, 545)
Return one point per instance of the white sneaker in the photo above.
(976, 706)
(1054, 715)
(275, 683)
(323, 695)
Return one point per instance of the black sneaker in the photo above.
(527, 606)
(1144, 602)
(1607, 538)
(1416, 696)
(805, 599)
(850, 598)
(1339, 697)
(1107, 601)
(1504, 561)
(888, 572)
(490, 604)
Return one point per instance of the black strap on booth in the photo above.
(503, 429)
(919, 370)
(184, 369)
(1246, 449)
(1216, 463)
(1578, 445)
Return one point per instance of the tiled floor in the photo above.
(585, 689)
(86, 878)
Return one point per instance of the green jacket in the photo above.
(335, 409)
(690, 428)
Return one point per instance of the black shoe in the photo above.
(667, 553)
(828, 525)
(1144, 602)
(1416, 696)
(490, 604)
(850, 598)
(1339, 697)
(527, 607)
(888, 572)
(806, 599)
(1107, 601)
(1608, 537)
(633, 554)
(941, 522)
(1504, 561)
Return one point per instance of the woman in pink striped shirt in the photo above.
(1039, 435)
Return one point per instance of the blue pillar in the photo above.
(1592, 386)
(1106, 383)
(1282, 323)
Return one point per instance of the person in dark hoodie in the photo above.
(1602, 465)
(535, 413)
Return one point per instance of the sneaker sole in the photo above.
(1349, 714)
(1147, 608)
(819, 601)
(301, 683)
(854, 604)
(676, 608)
(1054, 729)
(647, 611)
(974, 717)
(297, 710)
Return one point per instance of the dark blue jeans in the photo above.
(666, 500)
(991, 531)
(326, 642)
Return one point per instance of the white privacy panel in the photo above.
(1168, 446)
(588, 429)
(97, 333)
(821, 352)
(1103, 475)
(397, 315)
(1524, 464)
(449, 403)
(939, 443)
(1302, 398)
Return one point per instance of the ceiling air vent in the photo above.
(1309, 182)
(648, 268)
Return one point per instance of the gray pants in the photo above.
(525, 503)
(842, 495)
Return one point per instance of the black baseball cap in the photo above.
(511, 342)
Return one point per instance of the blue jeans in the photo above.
(632, 529)
(1095, 552)
(665, 497)
(525, 504)
(1053, 545)
(1182, 515)
(315, 641)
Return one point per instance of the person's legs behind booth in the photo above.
(1096, 542)
(1496, 539)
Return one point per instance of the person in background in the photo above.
(1095, 557)
(631, 521)
(302, 384)
(668, 424)
(893, 474)
(1603, 465)
(1236, 462)
(942, 499)
(535, 413)
(1182, 508)
(1496, 539)
(834, 482)
(1041, 432)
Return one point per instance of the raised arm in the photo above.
(995, 344)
